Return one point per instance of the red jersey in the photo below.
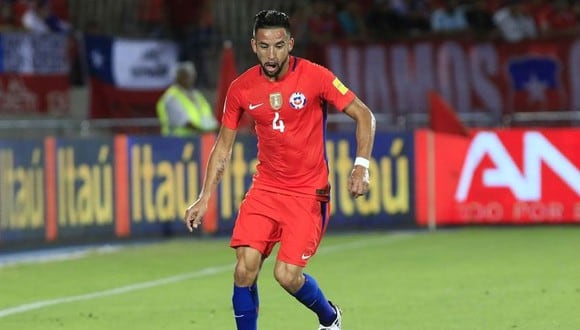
(290, 118)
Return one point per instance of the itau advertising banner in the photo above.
(512, 176)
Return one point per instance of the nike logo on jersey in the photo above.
(306, 256)
(254, 106)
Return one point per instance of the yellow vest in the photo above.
(199, 112)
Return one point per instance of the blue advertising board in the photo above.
(164, 178)
(85, 190)
(22, 191)
(389, 203)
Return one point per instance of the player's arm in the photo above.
(216, 166)
(218, 160)
(358, 183)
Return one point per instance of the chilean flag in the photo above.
(535, 84)
(127, 76)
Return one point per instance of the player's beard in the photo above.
(275, 73)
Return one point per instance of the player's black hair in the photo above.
(271, 18)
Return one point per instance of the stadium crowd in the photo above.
(321, 21)
(191, 23)
(34, 16)
(380, 20)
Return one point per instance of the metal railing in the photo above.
(63, 127)
(70, 127)
(546, 118)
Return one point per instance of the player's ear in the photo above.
(254, 45)
(290, 44)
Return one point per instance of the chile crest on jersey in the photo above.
(297, 101)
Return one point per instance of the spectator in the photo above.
(324, 28)
(514, 23)
(417, 16)
(60, 8)
(449, 18)
(39, 17)
(151, 15)
(191, 27)
(383, 22)
(493, 5)
(6, 15)
(323, 23)
(202, 41)
(558, 19)
(352, 22)
(576, 10)
(403, 17)
(299, 22)
(182, 109)
(480, 19)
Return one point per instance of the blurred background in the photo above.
(477, 106)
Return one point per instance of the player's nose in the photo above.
(271, 53)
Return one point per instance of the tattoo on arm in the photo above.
(221, 168)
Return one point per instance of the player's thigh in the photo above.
(304, 224)
(248, 265)
(255, 225)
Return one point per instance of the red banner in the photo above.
(34, 73)
(494, 77)
(502, 176)
(31, 94)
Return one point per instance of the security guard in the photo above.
(182, 109)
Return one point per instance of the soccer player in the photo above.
(289, 198)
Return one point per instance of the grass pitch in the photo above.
(479, 278)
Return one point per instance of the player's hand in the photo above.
(194, 214)
(359, 181)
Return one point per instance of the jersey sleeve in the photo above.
(232, 112)
(334, 91)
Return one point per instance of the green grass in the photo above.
(482, 278)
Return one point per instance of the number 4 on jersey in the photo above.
(277, 123)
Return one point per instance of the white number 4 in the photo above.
(277, 123)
